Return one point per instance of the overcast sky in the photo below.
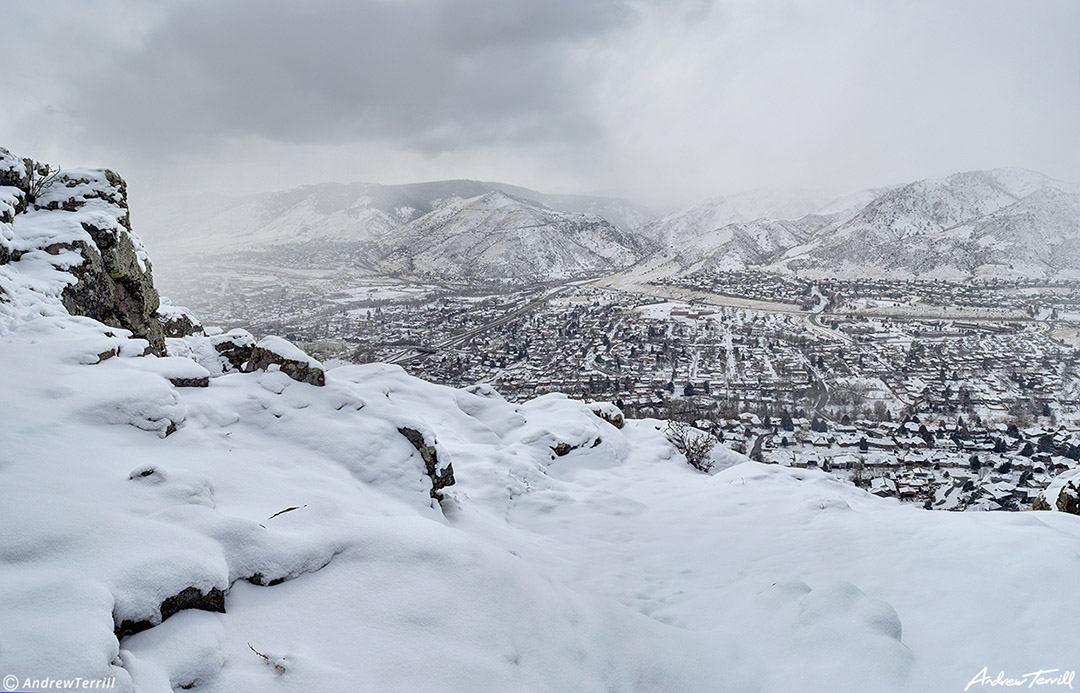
(662, 102)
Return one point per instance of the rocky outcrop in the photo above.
(114, 283)
(234, 347)
(441, 475)
(275, 351)
(177, 322)
(608, 412)
(188, 598)
(1065, 499)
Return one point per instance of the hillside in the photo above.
(1004, 222)
(373, 227)
(187, 508)
(499, 237)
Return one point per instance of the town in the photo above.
(953, 396)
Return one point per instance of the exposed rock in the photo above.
(1062, 495)
(113, 290)
(115, 281)
(440, 478)
(563, 449)
(235, 348)
(609, 413)
(292, 361)
(203, 381)
(177, 322)
(15, 175)
(188, 598)
(1068, 499)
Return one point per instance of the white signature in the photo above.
(1042, 677)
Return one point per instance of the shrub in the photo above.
(694, 444)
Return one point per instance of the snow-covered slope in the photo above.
(254, 529)
(354, 212)
(714, 217)
(1012, 219)
(1004, 222)
(499, 237)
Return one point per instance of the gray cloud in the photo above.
(430, 74)
(667, 101)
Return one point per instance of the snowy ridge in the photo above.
(499, 237)
(1004, 222)
(1007, 222)
(364, 224)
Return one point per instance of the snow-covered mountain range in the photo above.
(454, 230)
(187, 508)
(1004, 222)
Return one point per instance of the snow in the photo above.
(286, 350)
(614, 566)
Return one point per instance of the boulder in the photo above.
(177, 322)
(1062, 495)
(275, 351)
(188, 598)
(234, 347)
(608, 412)
(441, 475)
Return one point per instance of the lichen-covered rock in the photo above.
(14, 172)
(113, 289)
(275, 351)
(563, 449)
(234, 347)
(441, 474)
(1068, 499)
(114, 282)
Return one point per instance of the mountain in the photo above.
(685, 225)
(498, 236)
(365, 224)
(740, 231)
(1003, 222)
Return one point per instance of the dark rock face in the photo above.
(115, 286)
(267, 353)
(191, 382)
(188, 598)
(563, 449)
(1067, 500)
(113, 289)
(440, 479)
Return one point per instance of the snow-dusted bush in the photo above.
(694, 444)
